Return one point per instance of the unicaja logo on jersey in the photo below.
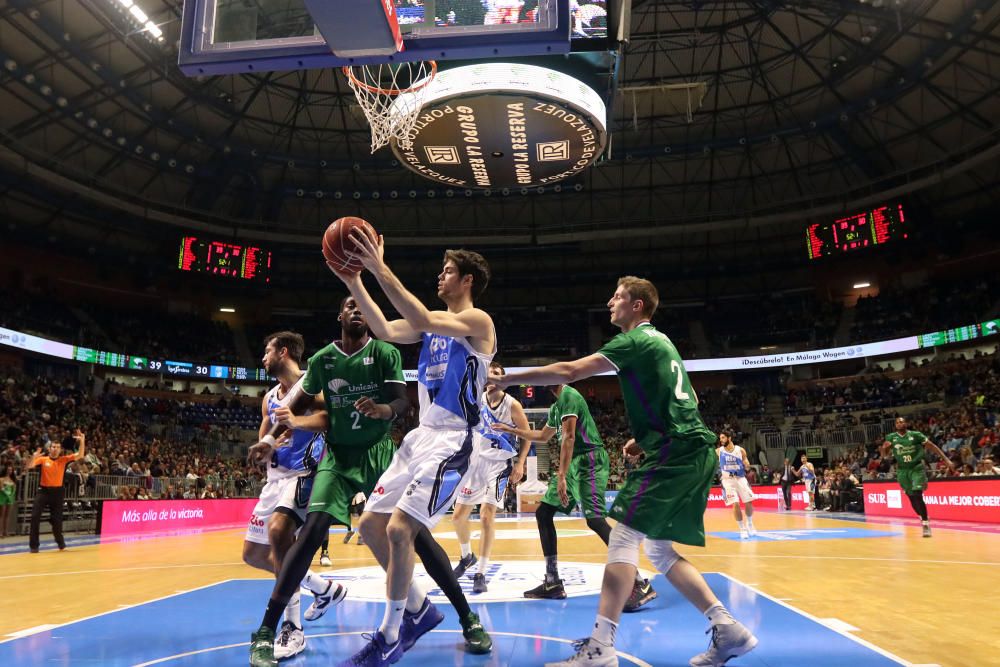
(336, 384)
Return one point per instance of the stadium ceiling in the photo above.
(809, 108)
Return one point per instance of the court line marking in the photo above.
(867, 644)
(631, 658)
(839, 625)
(45, 628)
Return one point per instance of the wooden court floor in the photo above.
(928, 601)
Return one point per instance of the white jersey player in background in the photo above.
(486, 484)
(733, 464)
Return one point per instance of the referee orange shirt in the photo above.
(53, 470)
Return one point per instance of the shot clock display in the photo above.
(225, 259)
(858, 231)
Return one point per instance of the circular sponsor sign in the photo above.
(507, 581)
(503, 125)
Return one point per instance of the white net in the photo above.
(391, 96)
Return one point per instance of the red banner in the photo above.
(961, 500)
(145, 517)
(767, 497)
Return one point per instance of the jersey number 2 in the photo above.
(356, 426)
(679, 389)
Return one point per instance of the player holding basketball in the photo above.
(582, 479)
(664, 498)
(807, 472)
(908, 449)
(733, 464)
(419, 487)
(359, 382)
(281, 510)
(488, 477)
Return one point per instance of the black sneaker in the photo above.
(547, 591)
(479, 583)
(641, 594)
(464, 564)
(348, 536)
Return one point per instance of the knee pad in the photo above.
(623, 545)
(662, 555)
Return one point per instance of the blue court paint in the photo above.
(807, 534)
(212, 626)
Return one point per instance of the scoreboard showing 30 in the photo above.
(225, 259)
(855, 232)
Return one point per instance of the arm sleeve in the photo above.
(618, 351)
(312, 383)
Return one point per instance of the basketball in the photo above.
(338, 247)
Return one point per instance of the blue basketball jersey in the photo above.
(451, 376)
(731, 463)
(497, 445)
(807, 473)
(304, 450)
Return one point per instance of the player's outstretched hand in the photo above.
(369, 408)
(516, 473)
(258, 453)
(632, 451)
(78, 434)
(347, 277)
(496, 379)
(563, 491)
(370, 249)
(284, 416)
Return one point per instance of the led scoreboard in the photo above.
(861, 230)
(224, 259)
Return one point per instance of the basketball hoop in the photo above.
(391, 96)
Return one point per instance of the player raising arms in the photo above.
(733, 464)
(664, 498)
(908, 449)
(419, 487)
(281, 509)
(488, 477)
(359, 383)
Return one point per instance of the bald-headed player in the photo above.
(908, 449)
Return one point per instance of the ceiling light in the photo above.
(126, 3)
(139, 15)
(768, 347)
(226, 309)
(862, 285)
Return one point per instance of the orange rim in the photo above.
(349, 73)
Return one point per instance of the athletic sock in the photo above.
(604, 630)
(415, 597)
(740, 524)
(392, 620)
(316, 583)
(484, 562)
(719, 615)
(551, 569)
(639, 579)
(466, 548)
(293, 612)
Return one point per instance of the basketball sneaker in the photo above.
(348, 536)
(291, 641)
(728, 641)
(464, 564)
(361, 541)
(744, 535)
(589, 653)
(479, 583)
(376, 653)
(477, 640)
(927, 530)
(323, 601)
(417, 625)
(324, 559)
(641, 594)
(751, 529)
(262, 648)
(547, 591)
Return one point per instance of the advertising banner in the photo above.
(766, 497)
(959, 500)
(146, 517)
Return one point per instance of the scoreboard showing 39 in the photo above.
(225, 259)
(855, 232)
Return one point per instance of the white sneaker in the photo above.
(290, 641)
(728, 641)
(324, 560)
(335, 594)
(751, 530)
(744, 535)
(589, 653)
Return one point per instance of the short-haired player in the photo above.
(909, 447)
(491, 472)
(807, 473)
(733, 464)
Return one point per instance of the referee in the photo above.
(50, 490)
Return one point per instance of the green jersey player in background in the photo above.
(664, 498)
(907, 448)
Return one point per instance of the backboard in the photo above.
(233, 36)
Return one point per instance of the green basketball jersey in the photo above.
(659, 400)
(344, 379)
(908, 448)
(572, 404)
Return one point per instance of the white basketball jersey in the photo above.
(496, 445)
